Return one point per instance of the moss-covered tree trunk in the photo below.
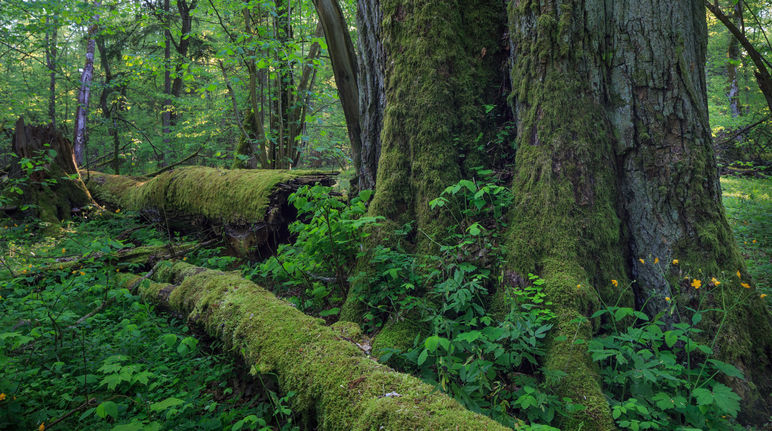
(616, 177)
(442, 70)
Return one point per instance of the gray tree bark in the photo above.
(372, 94)
(79, 143)
(616, 174)
(344, 66)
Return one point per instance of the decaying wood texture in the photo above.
(52, 187)
(248, 207)
(338, 386)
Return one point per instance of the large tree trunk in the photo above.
(615, 169)
(443, 67)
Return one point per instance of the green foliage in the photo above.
(32, 171)
(75, 347)
(748, 204)
(329, 234)
(661, 377)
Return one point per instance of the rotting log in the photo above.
(52, 188)
(338, 386)
(248, 207)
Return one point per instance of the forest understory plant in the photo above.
(76, 352)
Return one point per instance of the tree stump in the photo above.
(51, 185)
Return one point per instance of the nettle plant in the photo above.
(329, 233)
(665, 377)
(487, 356)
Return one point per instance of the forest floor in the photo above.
(125, 367)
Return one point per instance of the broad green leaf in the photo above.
(703, 396)
(165, 404)
(107, 408)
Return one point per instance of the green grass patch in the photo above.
(748, 203)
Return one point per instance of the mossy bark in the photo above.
(615, 171)
(337, 385)
(248, 207)
(444, 57)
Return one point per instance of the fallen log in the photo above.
(338, 386)
(248, 207)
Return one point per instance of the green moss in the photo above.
(397, 335)
(436, 90)
(564, 222)
(229, 196)
(334, 380)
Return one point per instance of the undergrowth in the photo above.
(482, 340)
(76, 352)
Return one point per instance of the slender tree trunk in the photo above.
(52, 28)
(81, 131)
(733, 53)
(186, 19)
(372, 94)
(166, 113)
(344, 66)
(299, 101)
(105, 103)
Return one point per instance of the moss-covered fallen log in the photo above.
(249, 207)
(338, 387)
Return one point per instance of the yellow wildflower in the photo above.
(42, 427)
(738, 274)
(82, 273)
(754, 241)
(117, 270)
(615, 283)
(696, 283)
(24, 271)
(715, 282)
(656, 260)
(667, 298)
(763, 295)
(2, 397)
(64, 250)
(642, 261)
(675, 261)
(578, 286)
(118, 210)
(745, 285)
(185, 258)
